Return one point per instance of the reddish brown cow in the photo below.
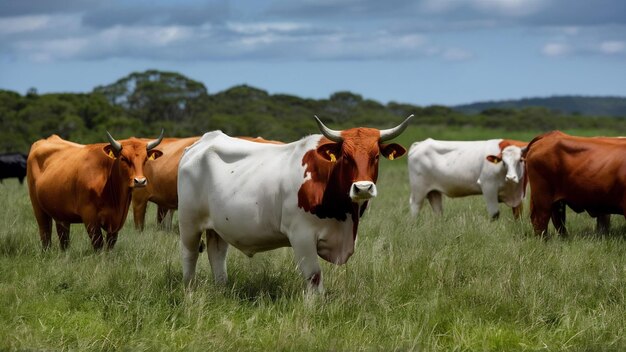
(586, 174)
(90, 184)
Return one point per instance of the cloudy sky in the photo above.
(420, 52)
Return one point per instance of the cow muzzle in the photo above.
(140, 182)
(362, 191)
(512, 178)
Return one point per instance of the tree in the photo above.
(153, 96)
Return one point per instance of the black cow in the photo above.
(13, 165)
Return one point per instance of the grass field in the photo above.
(461, 282)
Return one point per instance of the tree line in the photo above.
(142, 103)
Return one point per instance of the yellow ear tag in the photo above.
(391, 155)
(151, 157)
(111, 155)
(332, 156)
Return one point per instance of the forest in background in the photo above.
(142, 103)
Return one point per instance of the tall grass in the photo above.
(460, 282)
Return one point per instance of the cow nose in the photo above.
(512, 178)
(141, 181)
(363, 190)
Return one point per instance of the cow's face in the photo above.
(356, 161)
(340, 176)
(130, 156)
(511, 160)
(343, 168)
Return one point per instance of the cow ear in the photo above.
(154, 154)
(329, 151)
(110, 151)
(392, 151)
(494, 158)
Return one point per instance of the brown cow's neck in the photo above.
(326, 194)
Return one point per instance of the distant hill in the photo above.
(569, 104)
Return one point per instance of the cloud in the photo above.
(44, 30)
(342, 9)
(585, 45)
(514, 8)
(456, 54)
(555, 49)
(70, 37)
(14, 8)
(613, 47)
(140, 14)
(580, 13)
(37, 25)
(22, 24)
(266, 27)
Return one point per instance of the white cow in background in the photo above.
(493, 168)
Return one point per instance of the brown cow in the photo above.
(583, 173)
(163, 174)
(90, 184)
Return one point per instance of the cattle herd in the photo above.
(257, 195)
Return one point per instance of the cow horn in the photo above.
(333, 135)
(392, 133)
(115, 144)
(155, 142)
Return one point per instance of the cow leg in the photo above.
(517, 211)
(216, 251)
(63, 231)
(416, 202)
(44, 222)
(95, 234)
(161, 213)
(490, 193)
(434, 198)
(168, 221)
(558, 217)
(305, 255)
(164, 218)
(539, 215)
(139, 211)
(603, 224)
(111, 240)
(190, 243)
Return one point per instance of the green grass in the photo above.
(457, 283)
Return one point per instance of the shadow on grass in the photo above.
(263, 286)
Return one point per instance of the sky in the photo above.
(420, 52)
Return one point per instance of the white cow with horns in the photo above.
(493, 168)
(256, 197)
